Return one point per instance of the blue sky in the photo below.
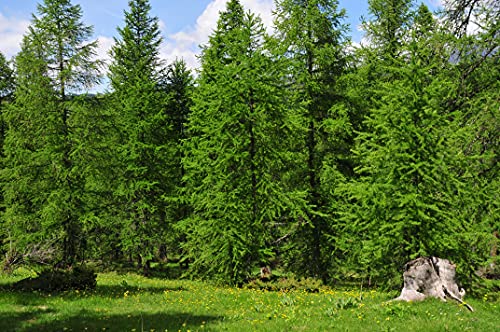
(185, 24)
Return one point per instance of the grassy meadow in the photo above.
(128, 302)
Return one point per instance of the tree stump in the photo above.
(430, 277)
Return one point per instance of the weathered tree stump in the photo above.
(430, 277)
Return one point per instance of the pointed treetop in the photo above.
(59, 37)
(388, 23)
(219, 48)
(424, 22)
(231, 17)
(136, 54)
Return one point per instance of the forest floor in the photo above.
(128, 302)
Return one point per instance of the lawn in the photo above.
(128, 302)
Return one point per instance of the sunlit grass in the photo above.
(133, 303)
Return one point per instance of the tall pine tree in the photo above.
(311, 37)
(6, 90)
(406, 200)
(42, 187)
(474, 98)
(146, 150)
(179, 86)
(236, 156)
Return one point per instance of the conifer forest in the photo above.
(291, 147)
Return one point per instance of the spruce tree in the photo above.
(146, 150)
(179, 86)
(475, 42)
(6, 89)
(236, 155)
(7, 86)
(42, 187)
(311, 35)
(404, 204)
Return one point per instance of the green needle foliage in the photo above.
(311, 36)
(237, 160)
(411, 196)
(146, 149)
(404, 200)
(42, 186)
(29, 153)
(475, 42)
(179, 86)
(7, 86)
(388, 25)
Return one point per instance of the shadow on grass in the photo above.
(25, 297)
(158, 270)
(15, 321)
(29, 311)
(21, 298)
(91, 321)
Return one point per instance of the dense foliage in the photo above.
(298, 150)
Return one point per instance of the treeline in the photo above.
(298, 150)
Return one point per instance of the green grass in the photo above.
(132, 303)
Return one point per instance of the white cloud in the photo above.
(11, 34)
(103, 48)
(162, 25)
(186, 43)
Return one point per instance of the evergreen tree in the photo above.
(376, 64)
(236, 155)
(475, 42)
(220, 49)
(146, 150)
(64, 42)
(6, 89)
(387, 29)
(179, 86)
(311, 36)
(404, 204)
(26, 178)
(42, 187)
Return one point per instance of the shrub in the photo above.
(80, 278)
